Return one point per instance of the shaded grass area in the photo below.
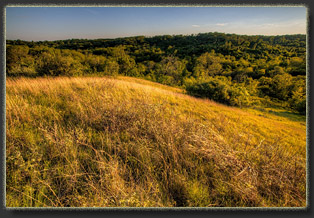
(101, 142)
(289, 115)
(279, 113)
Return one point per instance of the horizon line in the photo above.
(151, 36)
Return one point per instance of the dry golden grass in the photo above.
(101, 142)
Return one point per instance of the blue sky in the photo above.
(57, 23)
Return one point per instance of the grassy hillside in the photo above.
(85, 142)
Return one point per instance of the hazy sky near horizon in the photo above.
(57, 23)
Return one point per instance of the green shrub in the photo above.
(220, 90)
(19, 62)
(239, 96)
(298, 102)
(54, 63)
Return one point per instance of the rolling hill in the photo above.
(126, 142)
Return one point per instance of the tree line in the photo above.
(237, 70)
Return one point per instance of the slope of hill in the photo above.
(104, 142)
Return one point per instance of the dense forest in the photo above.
(236, 70)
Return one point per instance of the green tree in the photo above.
(281, 87)
(297, 66)
(208, 64)
(298, 94)
(18, 61)
(170, 70)
(53, 63)
(126, 63)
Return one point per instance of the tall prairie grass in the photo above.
(103, 142)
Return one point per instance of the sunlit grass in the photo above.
(104, 142)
